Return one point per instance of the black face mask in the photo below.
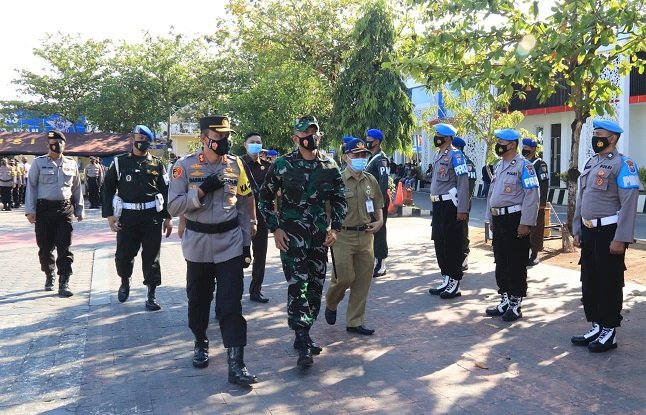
(501, 149)
(526, 153)
(599, 143)
(142, 145)
(438, 141)
(57, 147)
(370, 145)
(308, 143)
(224, 145)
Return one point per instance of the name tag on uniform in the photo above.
(370, 207)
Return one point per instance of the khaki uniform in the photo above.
(353, 250)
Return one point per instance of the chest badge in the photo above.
(201, 158)
(599, 181)
(601, 173)
(442, 170)
(262, 167)
(128, 178)
(446, 159)
(507, 189)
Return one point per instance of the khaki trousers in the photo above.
(354, 261)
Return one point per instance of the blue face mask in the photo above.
(254, 148)
(358, 164)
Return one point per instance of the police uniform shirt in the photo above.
(139, 180)
(449, 171)
(219, 206)
(6, 178)
(379, 167)
(54, 179)
(608, 186)
(357, 193)
(515, 183)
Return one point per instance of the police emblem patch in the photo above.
(177, 172)
(128, 178)
(631, 166)
(201, 158)
(262, 167)
(544, 168)
(507, 189)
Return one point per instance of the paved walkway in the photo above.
(91, 355)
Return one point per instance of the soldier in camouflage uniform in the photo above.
(307, 179)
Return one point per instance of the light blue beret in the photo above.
(142, 129)
(508, 134)
(611, 126)
(446, 129)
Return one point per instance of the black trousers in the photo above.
(5, 194)
(536, 237)
(510, 253)
(380, 243)
(15, 195)
(200, 283)
(139, 229)
(259, 248)
(602, 276)
(54, 230)
(93, 191)
(448, 235)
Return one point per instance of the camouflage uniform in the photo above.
(305, 186)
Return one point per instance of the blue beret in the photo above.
(508, 134)
(347, 138)
(611, 126)
(529, 142)
(446, 129)
(272, 152)
(459, 142)
(142, 129)
(355, 145)
(375, 133)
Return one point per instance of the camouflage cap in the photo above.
(303, 123)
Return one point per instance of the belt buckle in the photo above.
(588, 223)
(140, 206)
(495, 211)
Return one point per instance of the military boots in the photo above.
(124, 290)
(314, 347)
(49, 281)
(304, 352)
(238, 372)
(151, 300)
(63, 286)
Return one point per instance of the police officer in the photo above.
(307, 179)
(256, 169)
(354, 254)
(450, 197)
(540, 167)
(459, 143)
(379, 167)
(512, 206)
(7, 181)
(603, 226)
(53, 197)
(93, 179)
(140, 183)
(19, 179)
(210, 188)
(25, 168)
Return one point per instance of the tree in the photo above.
(73, 72)
(369, 95)
(500, 43)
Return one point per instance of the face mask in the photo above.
(599, 143)
(438, 141)
(57, 147)
(370, 145)
(358, 164)
(254, 148)
(525, 153)
(501, 149)
(223, 146)
(142, 145)
(308, 143)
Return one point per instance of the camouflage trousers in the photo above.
(304, 265)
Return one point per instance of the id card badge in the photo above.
(370, 207)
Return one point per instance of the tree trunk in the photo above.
(573, 171)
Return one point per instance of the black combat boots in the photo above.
(238, 372)
(151, 300)
(314, 347)
(63, 286)
(49, 281)
(124, 290)
(201, 354)
(304, 352)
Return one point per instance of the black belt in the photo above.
(54, 203)
(360, 228)
(212, 227)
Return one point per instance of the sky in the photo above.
(25, 23)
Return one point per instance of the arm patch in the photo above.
(529, 179)
(459, 164)
(628, 177)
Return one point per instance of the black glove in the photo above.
(211, 184)
(246, 256)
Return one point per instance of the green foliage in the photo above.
(642, 175)
(369, 95)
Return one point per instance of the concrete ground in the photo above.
(89, 354)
